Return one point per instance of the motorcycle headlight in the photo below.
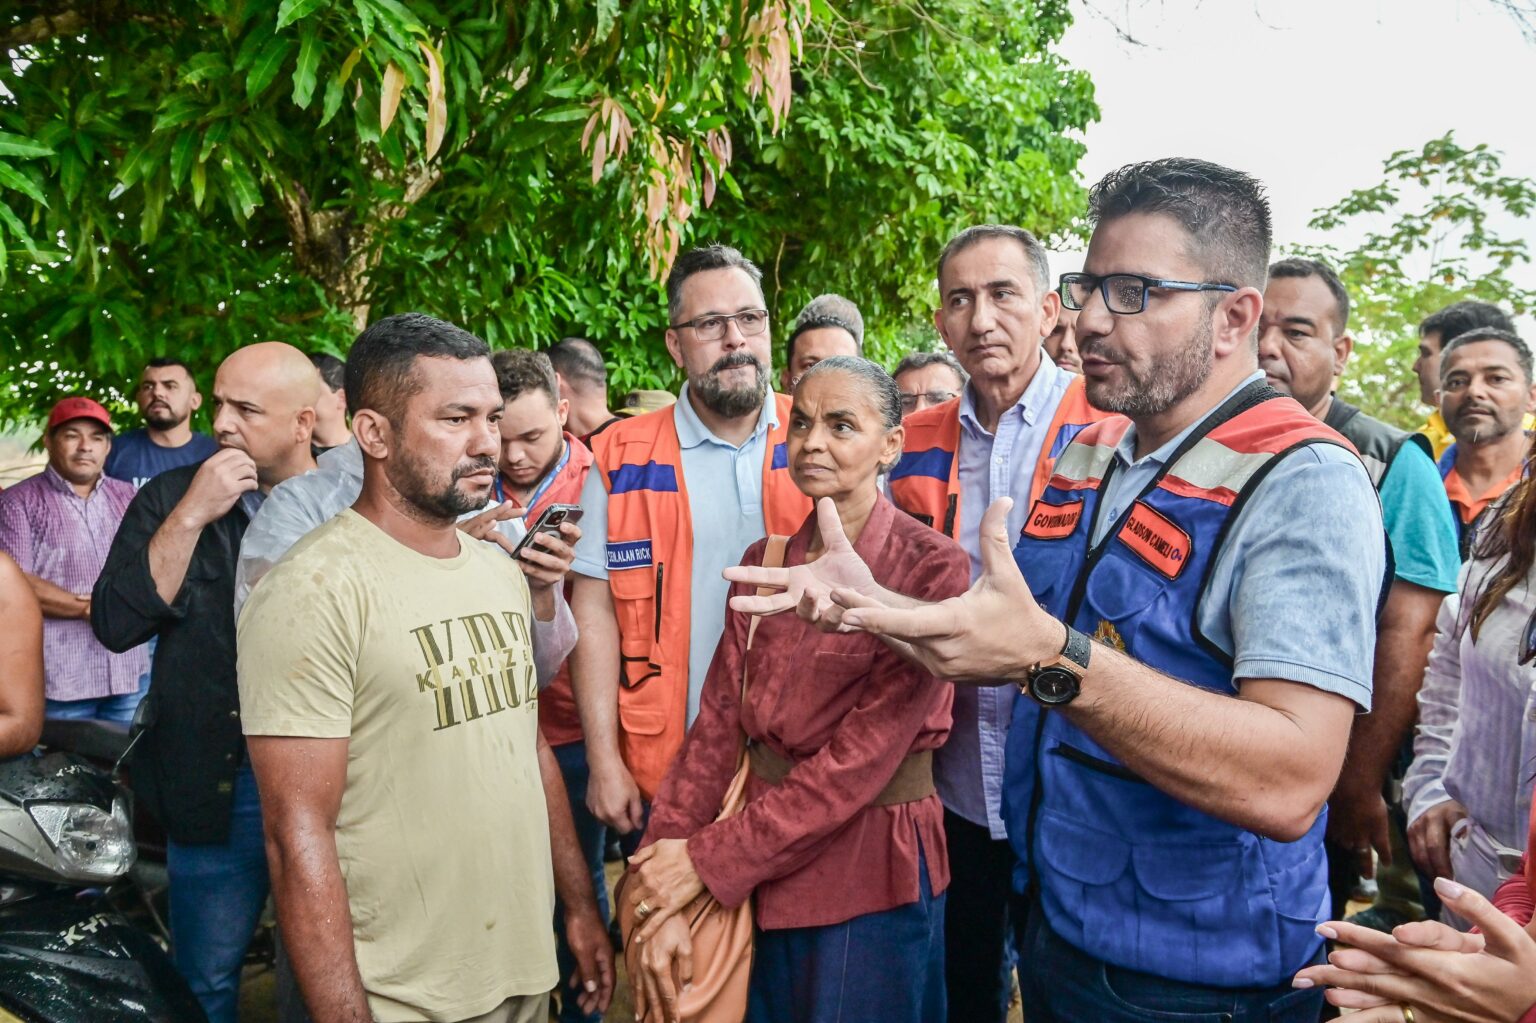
(92, 844)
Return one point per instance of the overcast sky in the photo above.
(1309, 95)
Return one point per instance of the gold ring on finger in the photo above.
(1407, 1013)
(644, 910)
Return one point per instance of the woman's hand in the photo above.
(664, 883)
(1440, 973)
(666, 970)
(807, 589)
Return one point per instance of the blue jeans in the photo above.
(118, 709)
(1061, 984)
(885, 967)
(590, 834)
(217, 894)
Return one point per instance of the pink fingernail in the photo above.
(1302, 982)
(1449, 889)
(1328, 932)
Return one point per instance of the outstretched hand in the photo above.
(807, 589)
(994, 632)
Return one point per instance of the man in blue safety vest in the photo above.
(1192, 641)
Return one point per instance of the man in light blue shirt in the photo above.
(693, 485)
(996, 304)
(725, 523)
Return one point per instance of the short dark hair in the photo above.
(922, 360)
(332, 370)
(882, 389)
(827, 311)
(1299, 267)
(519, 371)
(578, 359)
(380, 366)
(698, 260)
(1476, 334)
(1224, 210)
(1039, 263)
(1459, 317)
(166, 361)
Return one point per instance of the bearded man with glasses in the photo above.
(1189, 615)
(675, 497)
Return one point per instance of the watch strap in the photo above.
(1078, 648)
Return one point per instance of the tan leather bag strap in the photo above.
(773, 557)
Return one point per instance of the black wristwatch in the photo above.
(1057, 682)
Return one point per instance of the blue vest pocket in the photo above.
(1084, 854)
(1185, 873)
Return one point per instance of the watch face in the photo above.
(1054, 686)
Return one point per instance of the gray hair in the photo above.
(881, 389)
(922, 360)
(1039, 264)
(1477, 334)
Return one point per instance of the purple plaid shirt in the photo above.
(55, 534)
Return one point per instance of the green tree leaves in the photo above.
(184, 178)
(1432, 235)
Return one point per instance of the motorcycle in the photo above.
(67, 954)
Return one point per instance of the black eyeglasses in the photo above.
(1124, 294)
(1528, 642)
(909, 402)
(712, 328)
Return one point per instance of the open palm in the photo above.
(809, 587)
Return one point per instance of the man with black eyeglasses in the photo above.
(926, 379)
(997, 437)
(1189, 615)
(675, 497)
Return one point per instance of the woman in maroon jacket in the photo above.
(841, 843)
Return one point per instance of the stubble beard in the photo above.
(411, 478)
(1172, 379)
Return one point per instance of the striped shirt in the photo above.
(57, 535)
(1476, 740)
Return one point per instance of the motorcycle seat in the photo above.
(94, 740)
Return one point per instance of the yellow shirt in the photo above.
(1438, 434)
(1440, 437)
(426, 666)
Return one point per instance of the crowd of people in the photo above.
(1100, 659)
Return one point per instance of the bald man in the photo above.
(171, 574)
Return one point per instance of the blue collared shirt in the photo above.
(725, 501)
(968, 770)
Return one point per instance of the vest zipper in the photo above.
(660, 567)
(1085, 759)
(1254, 394)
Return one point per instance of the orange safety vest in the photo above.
(926, 481)
(650, 574)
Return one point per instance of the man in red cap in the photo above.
(58, 526)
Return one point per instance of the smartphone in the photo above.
(548, 522)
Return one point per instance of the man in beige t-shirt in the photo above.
(390, 700)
